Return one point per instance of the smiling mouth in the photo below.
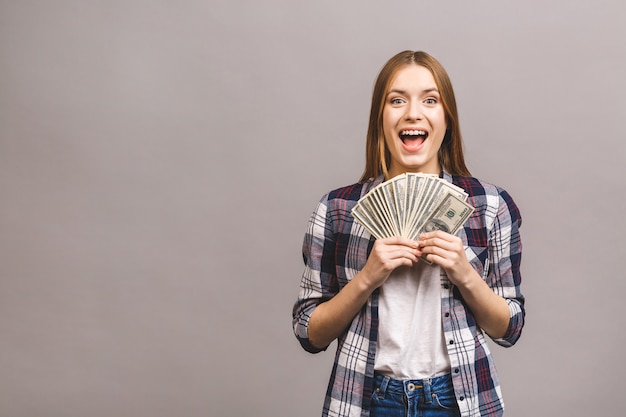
(413, 137)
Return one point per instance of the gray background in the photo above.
(159, 161)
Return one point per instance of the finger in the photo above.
(399, 240)
(389, 256)
(448, 242)
(386, 266)
(442, 256)
(403, 252)
(437, 258)
(389, 248)
(437, 234)
(434, 242)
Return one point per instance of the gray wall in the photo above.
(159, 161)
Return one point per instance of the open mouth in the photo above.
(413, 138)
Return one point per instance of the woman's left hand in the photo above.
(447, 251)
(490, 310)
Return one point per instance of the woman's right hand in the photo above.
(386, 255)
(331, 317)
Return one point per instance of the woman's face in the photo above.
(414, 121)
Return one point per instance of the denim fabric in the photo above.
(414, 398)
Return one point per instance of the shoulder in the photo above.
(479, 188)
(349, 193)
(475, 187)
(335, 207)
(483, 194)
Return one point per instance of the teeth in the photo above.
(413, 132)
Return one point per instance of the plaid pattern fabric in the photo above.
(335, 248)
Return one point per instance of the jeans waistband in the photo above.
(412, 387)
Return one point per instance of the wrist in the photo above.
(467, 278)
(364, 282)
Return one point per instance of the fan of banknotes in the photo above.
(411, 204)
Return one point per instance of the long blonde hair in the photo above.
(377, 156)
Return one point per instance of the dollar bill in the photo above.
(450, 215)
(411, 203)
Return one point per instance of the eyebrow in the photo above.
(426, 91)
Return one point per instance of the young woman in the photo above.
(411, 335)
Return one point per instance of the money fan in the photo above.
(411, 204)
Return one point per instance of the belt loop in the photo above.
(428, 396)
(382, 389)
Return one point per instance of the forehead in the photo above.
(412, 76)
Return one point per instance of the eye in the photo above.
(396, 101)
(431, 100)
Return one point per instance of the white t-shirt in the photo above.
(410, 334)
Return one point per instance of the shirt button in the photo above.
(447, 314)
(446, 286)
(451, 342)
(461, 398)
(456, 370)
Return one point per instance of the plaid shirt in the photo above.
(336, 248)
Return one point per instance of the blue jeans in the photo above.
(414, 398)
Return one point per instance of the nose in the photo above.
(413, 110)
